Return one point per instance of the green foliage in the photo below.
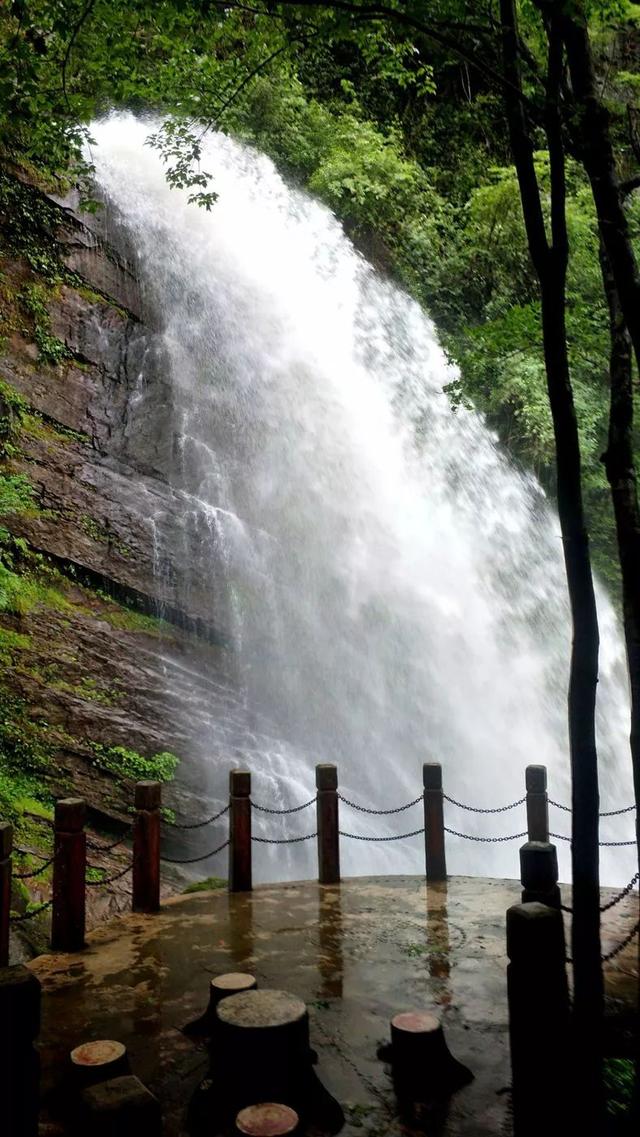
(127, 763)
(210, 884)
(33, 299)
(619, 1078)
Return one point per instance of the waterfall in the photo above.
(391, 584)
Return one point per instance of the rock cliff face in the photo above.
(120, 639)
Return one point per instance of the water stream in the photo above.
(392, 585)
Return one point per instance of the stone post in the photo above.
(327, 814)
(539, 873)
(434, 822)
(69, 872)
(538, 1020)
(240, 831)
(6, 849)
(19, 1062)
(146, 847)
(537, 803)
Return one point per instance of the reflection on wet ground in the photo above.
(357, 953)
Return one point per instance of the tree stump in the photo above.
(268, 1119)
(423, 1067)
(121, 1107)
(94, 1062)
(220, 987)
(263, 1047)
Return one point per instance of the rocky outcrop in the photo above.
(122, 640)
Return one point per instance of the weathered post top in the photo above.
(538, 866)
(240, 783)
(432, 776)
(326, 776)
(536, 779)
(6, 840)
(535, 932)
(148, 795)
(70, 814)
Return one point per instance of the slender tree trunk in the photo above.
(550, 261)
(620, 467)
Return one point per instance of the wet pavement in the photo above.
(356, 953)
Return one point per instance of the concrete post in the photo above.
(69, 871)
(538, 1020)
(6, 849)
(539, 873)
(146, 847)
(537, 803)
(240, 831)
(19, 1062)
(327, 813)
(436, 863)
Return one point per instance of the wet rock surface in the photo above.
(356, 954)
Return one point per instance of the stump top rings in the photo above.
(415, 1022)
(233, 981)
(100, 1053)
(266, 1008)
(269, 1119)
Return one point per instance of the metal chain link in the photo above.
(198, 824)
(476, 809)
(97, 848)
(295, 808)
(283, 840)
(392, 837)
(36, 872)
(107, 879)
(602, 844)
(621, 946)
(195, 860)
(489, 840)
(31, 913)
(365, 809)
(616, 899)
(605, 813)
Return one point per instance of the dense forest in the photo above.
(483, 155)
(410, 150)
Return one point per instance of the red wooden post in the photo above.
(146, 847)
(436, 864)
(537, 803)
(19, 1061)
(328, 823)
(69, 871)
(240, 831)
(6, 848)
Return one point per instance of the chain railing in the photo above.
(69, 858)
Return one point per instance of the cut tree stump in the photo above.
(268, 1119)
(94, 1062)
(423, 1066)
(121, 1107)
(262, 1047)
(220, 987)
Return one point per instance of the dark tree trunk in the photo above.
(550, 261)
(620, 467)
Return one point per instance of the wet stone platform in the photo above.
(356, 953)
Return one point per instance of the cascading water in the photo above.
(392, 585)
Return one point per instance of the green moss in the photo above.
(39, 426)
(619, 1077)
(125, 763)
(34, 300)
(89, 690)
(210, 884)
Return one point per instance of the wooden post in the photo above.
(240, 831)
(6, 849)
(537, 803)
(328, 823)
(538, 1020)
(19, 1062)
(146, 847)
(69, 871)
(434, 822)
(539, 873)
